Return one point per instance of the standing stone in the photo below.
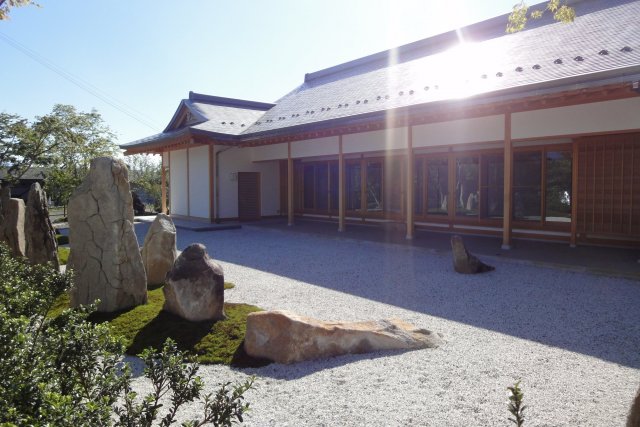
(159, 250)
(105, 256)
(463, 261)
(633, 419)
(195, 286)
(40, 237)
(13, 226)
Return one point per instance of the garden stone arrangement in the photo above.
(194, 289)
(159, 249)
(41, 246)
(105, 255)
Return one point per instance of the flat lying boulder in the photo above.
(463, 261)
(159, 249)
(41, 246)
(285, 337)
(194, 288)
(105, 256)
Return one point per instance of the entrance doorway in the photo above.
(248, 196)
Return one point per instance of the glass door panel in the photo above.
(437, 186)
(467, 186)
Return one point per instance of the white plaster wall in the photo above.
(578, 119)
(178, 182)
(269, 152)
(315, 147)
(199, 182)
(463, 131)
(237, 160)
(379, 140)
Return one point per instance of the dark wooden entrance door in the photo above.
(248, 196)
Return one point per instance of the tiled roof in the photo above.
(602, 42)
(599, 40)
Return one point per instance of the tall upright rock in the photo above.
(40, 237)
(104, 255)
(12, 227)
(159, 250)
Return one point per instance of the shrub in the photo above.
(67, 371)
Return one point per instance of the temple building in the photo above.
(534, 134)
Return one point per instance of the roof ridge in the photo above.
(229, 102)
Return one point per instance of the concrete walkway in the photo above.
(615, 262)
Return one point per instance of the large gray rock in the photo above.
(40, 237)
(105, 256)
(463, 261)
(285, 337)
(12, 227)
(194, 289)
(159, 250)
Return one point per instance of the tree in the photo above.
(22, 145)
(520, 14)
(145, 174)
(68, 371)
(77, 138)
(5, 6)
(64, 140)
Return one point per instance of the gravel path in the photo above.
(573, 339)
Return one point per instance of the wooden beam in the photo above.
(289, 185)
(409, 192)
(163, 191)
(574, 194)
(340, 186)
(508, 183)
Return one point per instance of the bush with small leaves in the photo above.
(68, 371)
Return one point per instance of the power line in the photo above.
(83, 84)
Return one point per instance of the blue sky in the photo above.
(148, 54)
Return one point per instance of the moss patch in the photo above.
(63, 254)
(149, 326)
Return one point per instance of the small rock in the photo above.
(463, 261)
(159, 249)
(286, 337)
(194, 288)
(138, 206)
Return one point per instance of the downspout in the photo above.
(217, 186)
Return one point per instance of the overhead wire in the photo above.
(93, 90)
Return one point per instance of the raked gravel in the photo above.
(572, 338)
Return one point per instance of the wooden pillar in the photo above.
(508, 183)
(163, 191)
(574, 194)
(452, 203)
(188, 185)
(409, 192)
(289, 186)
(212, 174)
(340, 186)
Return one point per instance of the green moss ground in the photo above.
(149, 326)
(63, 254)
